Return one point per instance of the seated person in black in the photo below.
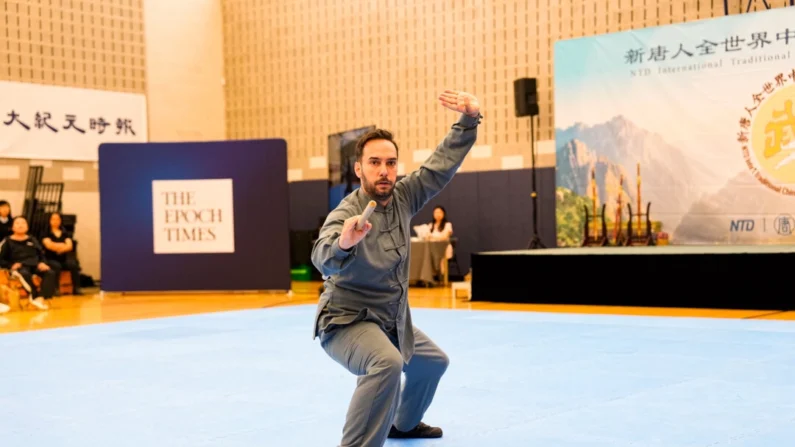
(24, 255)
(5, 219)
(59, 250)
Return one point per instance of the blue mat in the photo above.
(255, 378)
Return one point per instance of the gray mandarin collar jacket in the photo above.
(370, 281)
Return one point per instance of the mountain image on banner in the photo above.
(671, 180)
(709, 220)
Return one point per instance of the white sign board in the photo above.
(193, 216)
(63, 123)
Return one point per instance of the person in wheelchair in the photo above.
(24, 256)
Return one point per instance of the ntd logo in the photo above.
(742, 225)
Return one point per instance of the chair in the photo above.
(13, 291)
(65, 286)
(16, 295)
(454, 259)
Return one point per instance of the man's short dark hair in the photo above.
(377, 134)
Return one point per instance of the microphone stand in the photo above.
(535, 242)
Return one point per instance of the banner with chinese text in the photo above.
(62, 123)
(693, 122)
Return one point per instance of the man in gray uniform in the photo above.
(363, 317)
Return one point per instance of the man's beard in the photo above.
(372, 189)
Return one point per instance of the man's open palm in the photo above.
(462, 102)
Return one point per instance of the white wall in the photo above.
(185, 70)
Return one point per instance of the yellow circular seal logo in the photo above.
(771, 155)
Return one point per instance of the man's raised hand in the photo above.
(351, 235)
(462, 102)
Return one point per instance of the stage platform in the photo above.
(721, 277)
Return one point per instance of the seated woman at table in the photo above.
(441, 229)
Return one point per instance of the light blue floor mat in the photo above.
(256, 378)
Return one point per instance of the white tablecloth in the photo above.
(426, 260)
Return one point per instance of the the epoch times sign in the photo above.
(193, 216)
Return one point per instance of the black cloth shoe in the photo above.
(422, 430)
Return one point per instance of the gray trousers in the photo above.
(379, 401)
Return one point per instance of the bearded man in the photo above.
(363, 318)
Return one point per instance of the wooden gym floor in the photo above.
(93, 308)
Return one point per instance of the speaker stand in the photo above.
(535, 242)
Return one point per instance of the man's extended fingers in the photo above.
(448, 101)
(449, 97)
